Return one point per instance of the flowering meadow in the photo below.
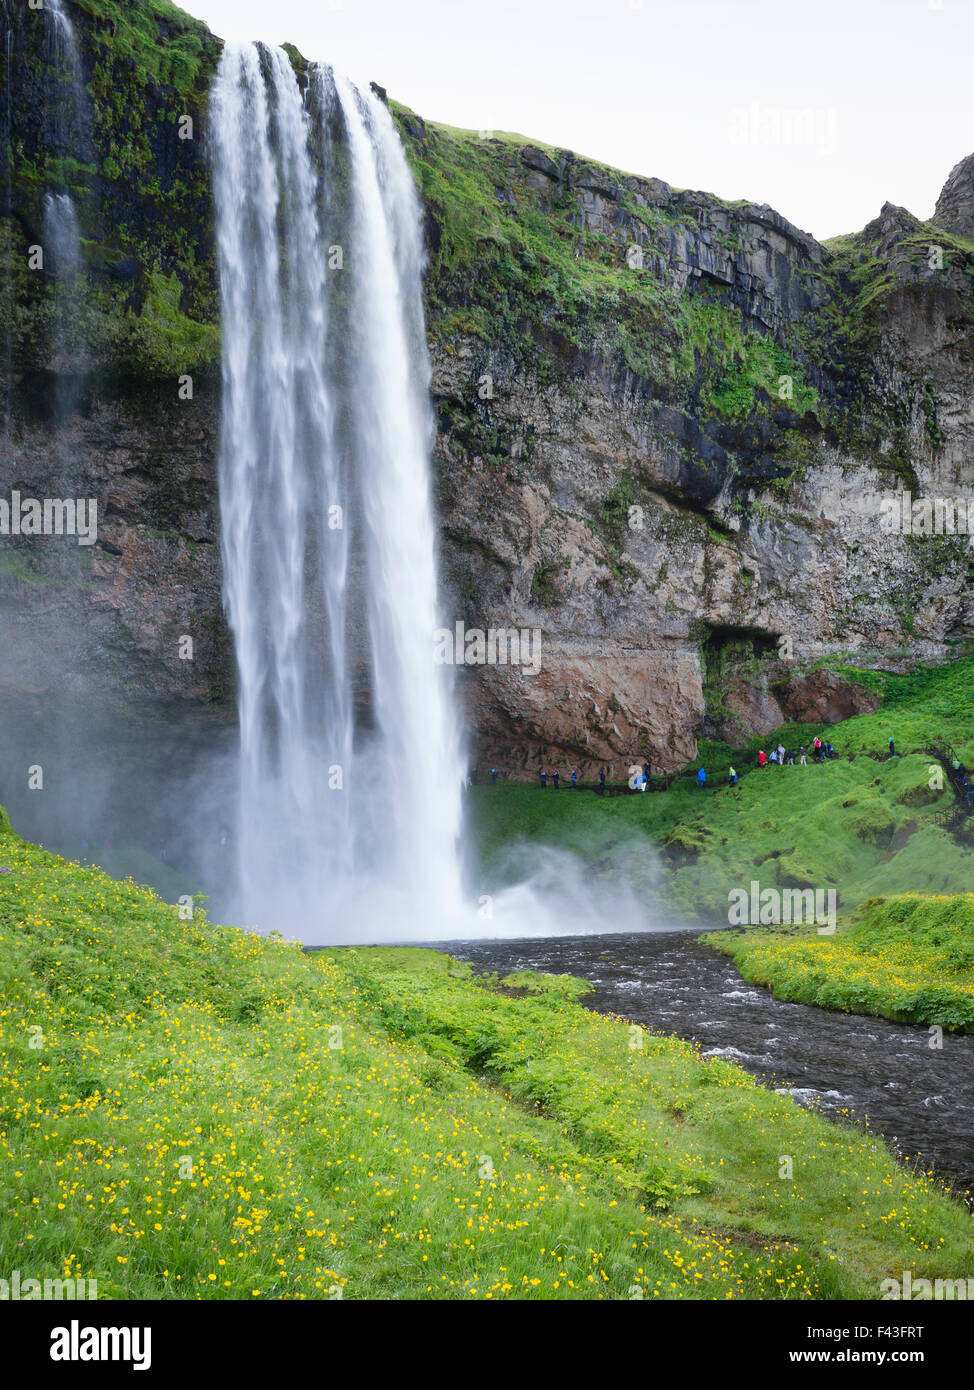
(909, 957)
(193, 1112)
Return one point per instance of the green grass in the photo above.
(164, 340)
(864, 827)
(692, 1137)
(189, 1111)
(909, 958)
(744, 363)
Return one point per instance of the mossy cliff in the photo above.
(664, 420)
(92, 367)
(131, 156)
(670, 421)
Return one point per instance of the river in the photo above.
(852, 1067)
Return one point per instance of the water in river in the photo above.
(850, 1066)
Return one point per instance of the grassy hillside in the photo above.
(909, 958)
(865, 827)
(188, 1111)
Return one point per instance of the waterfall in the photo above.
(350, 756)
(7, 301)
(63, 260)
(69, 122)
(68, 132)
(62, 235)
(68, 114)
(62, 28)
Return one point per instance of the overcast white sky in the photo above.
(701, 93)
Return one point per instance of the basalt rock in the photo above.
(821, 697)
(114, 617)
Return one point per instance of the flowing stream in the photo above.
(850, 1066)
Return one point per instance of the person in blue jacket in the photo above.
(702, 778)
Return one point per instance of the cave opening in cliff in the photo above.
(735, 663)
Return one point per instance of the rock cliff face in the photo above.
(666, 424)
(99, 370)
(113, 617)
(697, 535)
(955, 206)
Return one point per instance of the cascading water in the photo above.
(347, 826)
(67, 118)
(70, 115)
(350, 752)
(68, 134)
(416, 813)
(62, 234)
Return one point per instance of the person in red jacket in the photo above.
(762, 758)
